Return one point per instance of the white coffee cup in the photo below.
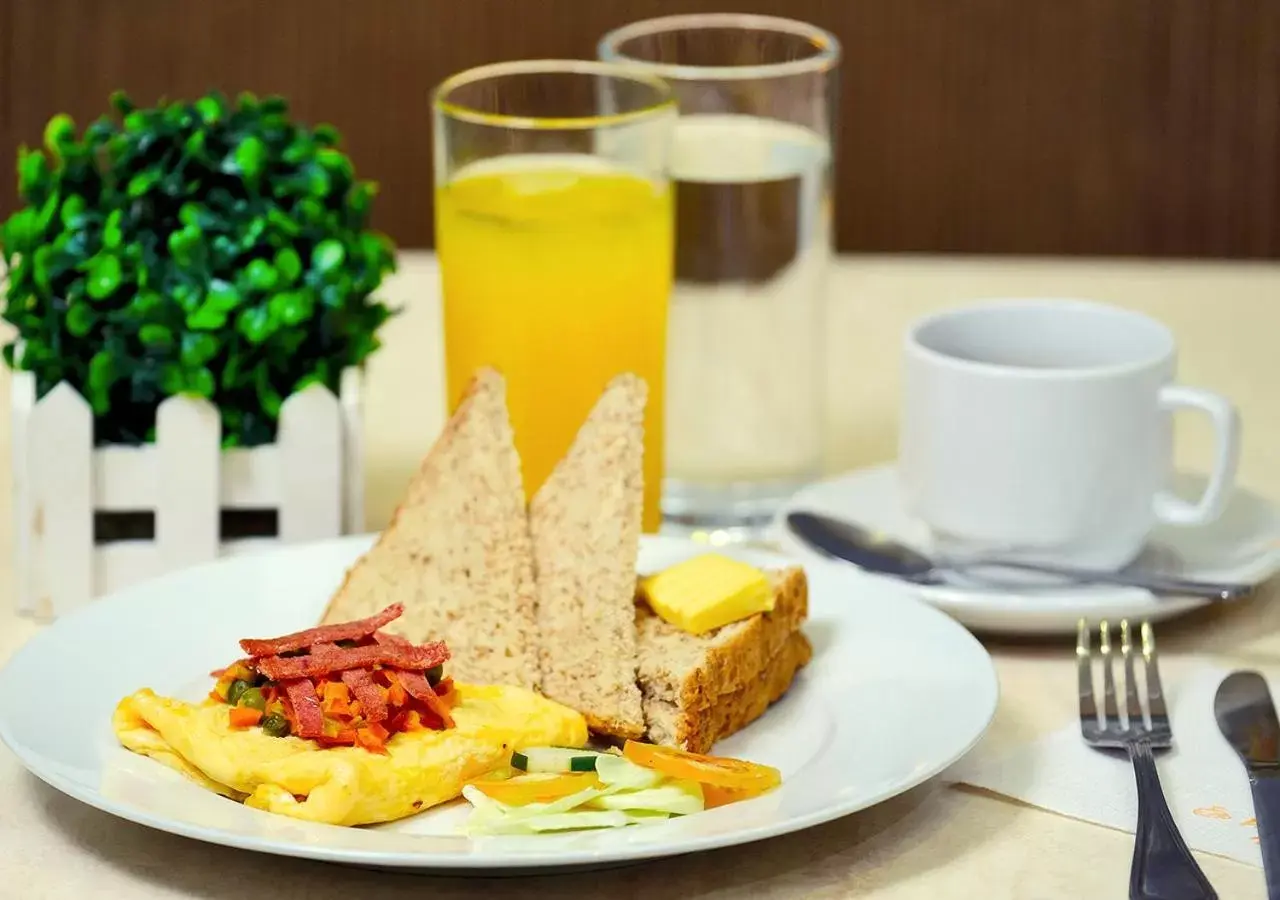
(1043, 429)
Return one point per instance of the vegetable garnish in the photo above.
(339, 684)
(717, 771)
(523, 789)
(562, 788)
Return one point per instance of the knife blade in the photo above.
(1247, 719)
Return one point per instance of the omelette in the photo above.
(342, 725)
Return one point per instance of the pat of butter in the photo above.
(707, 592)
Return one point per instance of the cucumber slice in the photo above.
(621, 774)
(678, 798)
(554, 759)
(528, 810)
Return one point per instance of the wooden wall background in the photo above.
(1118, 127)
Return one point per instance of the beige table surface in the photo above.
(935, 842)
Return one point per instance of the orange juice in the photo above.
(556, 271)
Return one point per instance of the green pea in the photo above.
(252, 698)
(435, 674)
(235, 691)
(275, 725)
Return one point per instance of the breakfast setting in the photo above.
(617, 474)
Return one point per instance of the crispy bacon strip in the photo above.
(324, 634)
(306, 707)
(415, 683)
(361, 685)
(398, 656)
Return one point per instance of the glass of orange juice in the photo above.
(554, 231)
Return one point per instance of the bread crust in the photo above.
(698, 729)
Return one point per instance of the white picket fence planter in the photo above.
(312, 476)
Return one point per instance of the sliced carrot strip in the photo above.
(721, 771)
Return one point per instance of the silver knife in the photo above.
(1247, 719)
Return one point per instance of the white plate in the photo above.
(896, 692)
(1243, 546)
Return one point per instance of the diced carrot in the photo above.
(448, 696)
(335, 698)
(372, 737)
(334, 691)
(370, 741)
(243, 716)
(396, 695)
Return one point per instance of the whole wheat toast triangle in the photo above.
(585, 522)
(457, 552)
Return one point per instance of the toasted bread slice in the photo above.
(692, 671)
(697, 729)
(585, 522)
(457, 552)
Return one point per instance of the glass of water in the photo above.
(752, 166)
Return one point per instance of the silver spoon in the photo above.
(878, 553)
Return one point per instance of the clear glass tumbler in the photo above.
(554, 234)
(752, 166)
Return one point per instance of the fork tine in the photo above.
(1155, 692)
(1133, 705)
(1109, 709)
(1084, 666)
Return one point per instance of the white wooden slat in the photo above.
(245, 546)
(124, 478)
(351, 395)
(123, 563)
(249, 477)
(309, 445)
(22, 394)
(188, 443)
(61, 452)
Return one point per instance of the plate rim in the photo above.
(461, 862)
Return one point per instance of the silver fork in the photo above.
(1163, 868)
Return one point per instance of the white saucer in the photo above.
(1242, 546)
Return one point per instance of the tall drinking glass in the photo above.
(752, 166)
(554, 234)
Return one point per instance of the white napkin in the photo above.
(1204, 782)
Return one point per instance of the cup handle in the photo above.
(1226, 427)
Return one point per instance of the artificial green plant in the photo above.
(206, 248)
